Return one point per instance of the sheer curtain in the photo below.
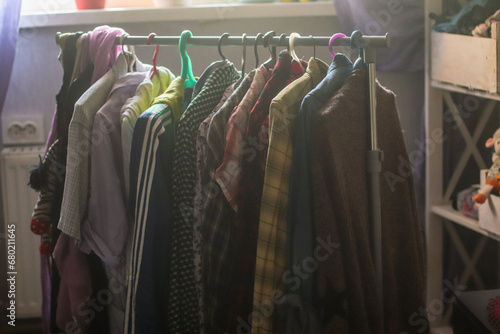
(9, 28)
(402, 19)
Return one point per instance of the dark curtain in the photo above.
(10, 11)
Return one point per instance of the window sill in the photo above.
(216, 12)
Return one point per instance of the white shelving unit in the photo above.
(440, 216)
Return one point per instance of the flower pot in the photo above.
(90, 4)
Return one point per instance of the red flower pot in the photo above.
(90, 4)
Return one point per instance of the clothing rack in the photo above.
(375, 156)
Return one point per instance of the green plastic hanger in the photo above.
(186, 67)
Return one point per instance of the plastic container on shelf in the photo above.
(90, 4)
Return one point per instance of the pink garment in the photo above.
(45, 270)
(75, 287)
(102, 51)
(45, 276)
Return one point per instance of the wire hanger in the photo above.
(155, 54)
(330, 43)
(131, 62)
(271, 62)
(186, 66)
(282, 40)
(257, 38)
(243, 60)
(314, 46)
(219, 44)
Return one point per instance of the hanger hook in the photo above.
(291, 44)
(123, 38)
(186, 66)
(257, 37)
(356, 40)
(282, 40)
(151, 36)
(314, 46)
(332, 40)
(267, 43)
(219, 44)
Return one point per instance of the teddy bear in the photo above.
(493, 176)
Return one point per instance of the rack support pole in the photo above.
(375, 158)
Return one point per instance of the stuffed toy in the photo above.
(493, 176)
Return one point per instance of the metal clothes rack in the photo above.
(368, 44)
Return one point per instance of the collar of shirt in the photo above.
(174, 97)
(317, 69)
(267, 73)
(340, 69)
(129, 79)
(340, 60)
(119, 69)
(82, 59)
(204, 76)
(146, 92)
(282, 68)
(297, 70)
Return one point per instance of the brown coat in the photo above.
(346, 279)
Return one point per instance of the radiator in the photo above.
(18, 203)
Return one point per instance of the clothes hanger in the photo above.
(257, 37)
(130, 59)
(186, 66)
(219, 44)
(291, 46)
(330, 43)
(314, 46)
(271, 62)
(356, 43)
(282, 41)
(243, 60)
(155, 54)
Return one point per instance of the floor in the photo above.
(442, 330)
(23, 326)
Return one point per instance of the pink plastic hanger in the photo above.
(330, 44)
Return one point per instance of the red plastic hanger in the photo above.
(155, 54)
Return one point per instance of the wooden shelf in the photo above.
(463, 90)
(447, 212)
(216, 12)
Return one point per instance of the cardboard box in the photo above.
(489, 211)
(470, 62)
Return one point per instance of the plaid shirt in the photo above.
(183, 301)
(250, 187)
(228, 173)
(202, 194)
(271, 243)
(211, 208)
